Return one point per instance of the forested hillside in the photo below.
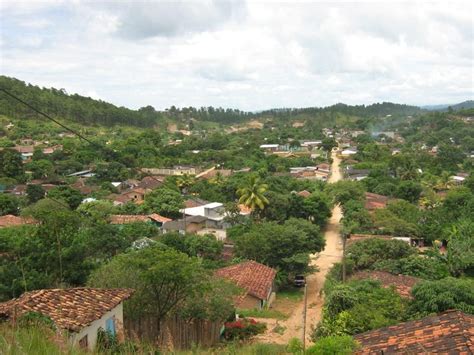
(88, 111)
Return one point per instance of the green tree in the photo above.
(343, 345)
(65, 193)
(252, 194)
(11, 165)
(460, 255)
(9, 205)
(343, 191)
(441, 295)
(164, 281)
(35, 193)
(165, 202)
(41, 169)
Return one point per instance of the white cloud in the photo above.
(252, 55)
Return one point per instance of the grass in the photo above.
(291, 294)
(262, 313)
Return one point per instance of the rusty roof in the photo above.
(375, 201)
(402, 283)
(255, 278)
(72, 309)
(450, 332)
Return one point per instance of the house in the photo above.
(214, 213)
(25, 151)
(349, 152)
(309, 172)
(80, 312)
(190, 225)
(311, 144)
(51, 150)
(194, 202)
(136, 195)
(459, 178)
(449, 332)
(84, 173)
(257, 281)
(324, 167)
(269, 148)
(176, 171)
(14, 221)
(354, 238)
(212, 173)
(356, 174)
(154, 218)
(150, 183)
(375, 201)
(402, 283)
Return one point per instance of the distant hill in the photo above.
(456, 107)
(88, 111)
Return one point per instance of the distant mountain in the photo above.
(460, 106)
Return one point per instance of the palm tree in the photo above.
(184, 182)
(252, 194)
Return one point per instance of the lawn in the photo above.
(262, 313)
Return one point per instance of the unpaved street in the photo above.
(331, 254)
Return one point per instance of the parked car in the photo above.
(300, 281)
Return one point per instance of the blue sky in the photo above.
(250, 55)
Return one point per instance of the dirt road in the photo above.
(332, 253)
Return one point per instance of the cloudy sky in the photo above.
(249, 55)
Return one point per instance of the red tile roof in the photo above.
(11, 221)
(304, 193)
(402, 283)
(71, 309)
(255, 278)
(450, 332)
(124, 219)
(374, 201)
(158, 218)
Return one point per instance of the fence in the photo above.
(174, 333)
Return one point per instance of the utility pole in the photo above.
(344, 238)
(304, 317)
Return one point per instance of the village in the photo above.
(255, 246)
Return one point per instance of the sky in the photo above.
(250, 55)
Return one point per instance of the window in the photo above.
(110, 325)
(83, 343)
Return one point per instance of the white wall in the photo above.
(91, 330)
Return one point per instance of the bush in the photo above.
(333, 345)
(441, 295)
(418, 266)
(367, 252)
(242, 329)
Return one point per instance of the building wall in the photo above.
(250, 302)
(91, 330)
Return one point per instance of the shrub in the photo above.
(333, 345)
(441, 295)
(244, 328)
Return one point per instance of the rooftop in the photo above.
(11, 221)
(72, 309)
(450, 332)
(255, 278)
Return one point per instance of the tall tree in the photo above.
(252, 195)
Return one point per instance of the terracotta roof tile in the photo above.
(450, 332)
(255, 278)
(375, 201)
(304, 193)
(159, 218)
(402, 283)
(124, 219)
(71, 309)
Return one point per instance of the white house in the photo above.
(348, 152)
(81, 312)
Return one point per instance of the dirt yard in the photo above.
(281, 331)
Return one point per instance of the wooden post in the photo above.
(344, 238)
(304, 317)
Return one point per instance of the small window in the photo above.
(110, 325)
(83, 342)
